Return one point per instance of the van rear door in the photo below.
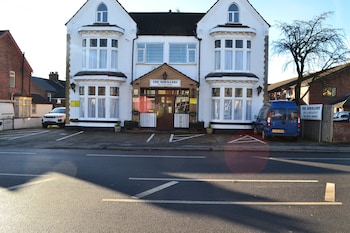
(293, 122)
(278, 120)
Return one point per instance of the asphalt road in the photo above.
(76, 190)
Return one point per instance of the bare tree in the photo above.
(313, 46)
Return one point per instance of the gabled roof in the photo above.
(319, 75)
(169, 23)
(3, 34)
(57, 88)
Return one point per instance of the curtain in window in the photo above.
(93, 59)
(101, 107)
(216, 109)
(217, 60)
(92, 107)
(228, 60)
(239, 60)
(82, 108)
(114, 59)
(228, 110)
(238, 110)
(103, 59)
(114, 108)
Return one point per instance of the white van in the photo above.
(7, 114)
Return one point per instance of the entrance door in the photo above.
(165, 112)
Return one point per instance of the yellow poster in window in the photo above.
(75, 103)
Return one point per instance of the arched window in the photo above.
(233, 14)
(102, 13)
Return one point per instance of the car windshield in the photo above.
(59, 110)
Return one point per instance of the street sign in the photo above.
(311, 112)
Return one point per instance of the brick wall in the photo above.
(341, 132)
(339, 80)
(11, 59)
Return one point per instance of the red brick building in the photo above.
(15, 75)
(331, 87)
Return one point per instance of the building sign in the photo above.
(311, 112)
(164, 83)
(75, 103)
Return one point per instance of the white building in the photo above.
(166, 69)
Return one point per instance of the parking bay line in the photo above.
(154, 190)
(69, 136)
(329, 195)
(148, 156)
(250, 203)
(221, 180)
(28, 135)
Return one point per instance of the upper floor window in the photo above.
(102, 14)
(232, 55)
(100, 53)
(182, 53)
(150, 53)
(12, 79)
(233, 14)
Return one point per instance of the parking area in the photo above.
(89, 138)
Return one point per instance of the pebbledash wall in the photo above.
(168, 69)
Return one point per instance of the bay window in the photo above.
(230, 104)
(235, 55)
(100, 54)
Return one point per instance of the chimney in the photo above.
(53, 76)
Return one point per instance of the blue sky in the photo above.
(38, 26)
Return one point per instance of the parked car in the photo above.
(341, 116)
(56, 117)
(278, 118)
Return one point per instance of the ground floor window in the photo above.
(99, 102)
(231, 103)
(23, 106)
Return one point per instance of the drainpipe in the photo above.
(132, 57)
(22, 93)
(199, 71)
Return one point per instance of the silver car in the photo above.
(56, 117)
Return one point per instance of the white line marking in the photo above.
(16, 153)
(28, 135)
(148, 156)
(246, 139)
(251, 203)
(150, 138)
(330, 192)
(28, 184)
(69, 136)
(223, 180)
(154, 190)
(17, 174)
(177, 138)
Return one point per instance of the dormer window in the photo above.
(233, 14)
(102, 14)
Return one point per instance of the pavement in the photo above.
(243, 140)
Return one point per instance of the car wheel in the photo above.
(263, 135)
(44, 126)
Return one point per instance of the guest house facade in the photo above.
(165, 70)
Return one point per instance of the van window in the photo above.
(292, 114)
(278, 114)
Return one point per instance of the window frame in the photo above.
(187, 53)
(233, 14)
(102, 13)
(12, 77)
(102, 55)
(143, 51)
